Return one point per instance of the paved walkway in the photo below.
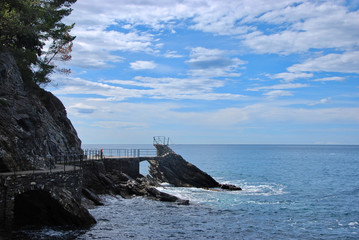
(62, 168)
(59, 168)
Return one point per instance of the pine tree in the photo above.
(26, 26)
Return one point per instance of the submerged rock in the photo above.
(172, 168)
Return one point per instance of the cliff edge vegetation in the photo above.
(34, 33)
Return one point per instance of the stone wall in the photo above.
(55, 183)
(129, 166)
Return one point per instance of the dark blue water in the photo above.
(289, 192)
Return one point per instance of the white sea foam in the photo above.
(258, 188)
(218, 196)
(353, 224)
(194, 195)
(264, 189)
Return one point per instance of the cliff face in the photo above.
(33, 123)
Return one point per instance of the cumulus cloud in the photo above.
(308, 25)
(311, 26)
(95, 47)
(141, 65)
(347, 62)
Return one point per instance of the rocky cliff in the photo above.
(35, 130)
(34, 127)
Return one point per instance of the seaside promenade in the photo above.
(65, 175)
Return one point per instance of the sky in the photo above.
(213, 72)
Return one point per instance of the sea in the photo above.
(289, 192)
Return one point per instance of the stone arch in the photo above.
(144, 167)
(38, 207)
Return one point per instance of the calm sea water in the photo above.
(289, 192)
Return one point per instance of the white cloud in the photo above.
(347, 62)
(119, 124)
(292, 26)
(94, 47)
(329, 79)
(80, 86)
(278, 93)
(310, 25)
(233, 17)
(279, 86)
(290, 76)
(148, 87)
(172, 54)
(321, 101)
(319, 36)
(82, 108)
(141, 65)
(213, 63)
(179, 88)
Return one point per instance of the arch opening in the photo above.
(144, 168)
(37, 207)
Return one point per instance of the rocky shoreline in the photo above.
(169, 167)
(35, 130)
(98, 181)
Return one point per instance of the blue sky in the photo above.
(208, 71)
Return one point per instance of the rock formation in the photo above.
(101, 179)
(34, 127)
(172, 168)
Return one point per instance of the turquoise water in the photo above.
(289, 192)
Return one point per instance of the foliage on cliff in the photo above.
(32, 30)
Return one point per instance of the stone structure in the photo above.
(43, 198)
(130, 166)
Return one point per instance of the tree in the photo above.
(28, 27)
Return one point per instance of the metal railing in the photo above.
(65, 162)
(161, 140)
(69, 159)
(74, 161)
(96, 154)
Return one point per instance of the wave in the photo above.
(218, 196)
(263, 189)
